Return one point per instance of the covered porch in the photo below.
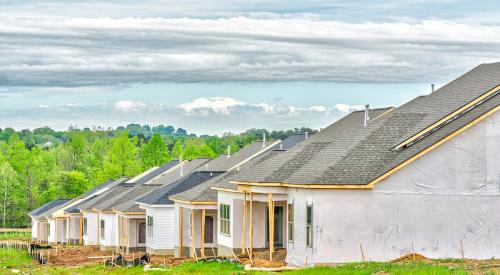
(252, 219)
(196, 229)
(131, 232)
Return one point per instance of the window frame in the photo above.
(84, 227)
(309, 225)
(149, 226)
(102, 229)
(290, 222)
(225, 219)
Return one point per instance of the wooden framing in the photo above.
(181, 218)
(98, 229)
(203, 233)
(251, 225)
(127, 226)
(193, 248)
(81, 230)
(195, 202)
(244, 224)
(119, 233)
(271, 226)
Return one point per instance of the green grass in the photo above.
(14, 259)
(15, 236)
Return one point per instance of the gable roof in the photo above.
(42, 210)
(92, 194)
(161, 195)
(350, 154)
(204, 191)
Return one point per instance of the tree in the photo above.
(8, 178)
(154, 153)
(122, 159)
(73, 184)
(177, 151)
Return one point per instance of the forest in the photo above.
(40, 165)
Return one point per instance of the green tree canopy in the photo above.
(177, 150)
(122, 159)
(154, 153)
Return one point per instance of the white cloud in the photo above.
(68, 52)
(127, 106)
(345, 108)
(318, 109)
(218, 105)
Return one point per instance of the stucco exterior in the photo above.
(445, 200)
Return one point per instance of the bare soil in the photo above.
(261, 258)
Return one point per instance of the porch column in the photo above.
(81, 230)
(244, 231)
(98, 229)
(203, 233)
(180, 231)
(127, 225)
(251, 225)
(271, 226)
(55, 231)
(193, 248)
(119, 233)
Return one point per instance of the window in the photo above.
(309, 226)
(48, 229)
(84, 227)
(191, 224)
(224, 219)
(150, 227)
(102, 229)
(290, 222)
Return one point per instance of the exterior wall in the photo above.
(73, 228)
(133, 241)
(447, 198)
(110, 230)
(52, 230)
(233, 240)
(43, 231)
(91, 238)
(164, 226)
(34, 229)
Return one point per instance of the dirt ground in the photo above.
(261, 258)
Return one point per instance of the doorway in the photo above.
(142, 233)
(278, 226)
(209, 229)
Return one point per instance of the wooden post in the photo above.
(203, 233)
(47, 231)
(81, 230)
(244, 226)
(55, 231)
(192, 235)
(251, 224)
(180, 231)
(126, 234)
(98, 229)
(271, 226)
(68, 227)
(119, 233)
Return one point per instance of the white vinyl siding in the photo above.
(163, 230)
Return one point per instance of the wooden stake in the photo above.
(180, 231)
(244, 225)
(251, 225)
(81, 229)
(193, 252)
(271, 226)
(362, 252)
(202, 253)
(462, 249)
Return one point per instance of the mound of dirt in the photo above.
(409, 257)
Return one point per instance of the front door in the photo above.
(278, 226)
(142, 232)
(209, 229)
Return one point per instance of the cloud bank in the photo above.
(56, 51)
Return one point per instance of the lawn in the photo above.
(13, 259)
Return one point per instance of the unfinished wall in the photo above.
(34, 229)
(111, 229)
(447, 199)
(91, 238)
(163, 228)
(73, 227)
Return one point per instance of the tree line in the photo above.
(40, 165)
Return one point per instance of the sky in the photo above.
(226, 66)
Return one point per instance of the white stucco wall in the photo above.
(110, 229)
(91, 238)
(34, 229)
(447, 197)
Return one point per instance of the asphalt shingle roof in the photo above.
(161, 195)
(349, 153)
(92, 194)
(204, 191)
(46, 208)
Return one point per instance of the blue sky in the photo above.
(230, 65)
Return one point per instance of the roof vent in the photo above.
(206, 166)
(307, 134)
(367, 114)
(432, 87)
(263, 140)
(281, 146)
(228, 151)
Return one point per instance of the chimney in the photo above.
(263, 140)
(228, 151)
(367, 114)
(432, 88)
